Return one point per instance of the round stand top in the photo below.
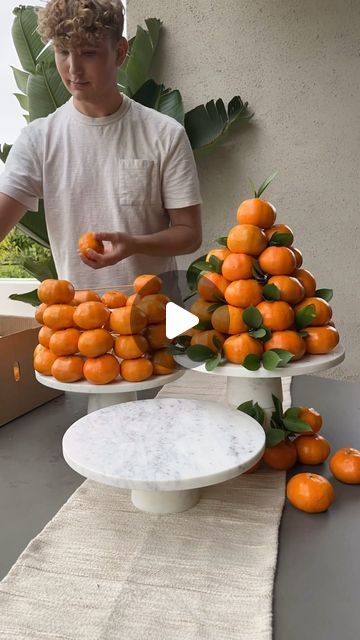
(165, 444)
(117, 386)
(308, 364)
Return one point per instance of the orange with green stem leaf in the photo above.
(257, 211)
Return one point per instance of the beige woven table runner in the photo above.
(102, 570)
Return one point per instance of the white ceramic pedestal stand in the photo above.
(244, 385)
(164, 449)
(105, 395)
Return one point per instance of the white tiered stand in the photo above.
(105, 395)
(259, 386)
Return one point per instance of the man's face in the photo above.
(89, 72)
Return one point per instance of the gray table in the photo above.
(317, 586)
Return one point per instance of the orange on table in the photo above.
(91, 315)
(277, 261)
(65, 342)
(200, 308)
(298, 256)
(163, 362)
(322, 309)
(246, 238)
(154, 310)
(85, 296)
(95, 342)
(53, 291)
(290, 288)
(128, 320)
(147, 284)
(345, 465)
(307, 280)
(155, 334)
(88, 241)
(114, 299)
(44, 336)
(101, 370)
(59, 316)
(289, 340)
(257, 212)
(282, 456)
(206, 338)
(321, 339)
(136, 370)
(129, 347)
(237, 347)
(43, 361)
(211, 286)
(280, 228)
(277, 315)
(218, 253)
(313, 449)
(229, 319)
(68, 368)
(312, 417)
(244, 293)
(237, 266)
(310, 492)
(39, 312)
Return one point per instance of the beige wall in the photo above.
(298, 65)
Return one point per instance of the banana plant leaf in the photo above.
(22, 100)
(21, 78)
(39, 269)
(46, 91)
(207, 124)
(167, 101)
(30, 297)
(33, 224)
(26, 39)
(4, 151)
(135, 69)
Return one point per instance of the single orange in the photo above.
(277, 316)
(237, 266)
(136, 370)
(91, 315)
(345, 465)
(229, 319)
(56, 291)
(313, 449)
(39, 312)
(133, 299)
(288, 340)
(44, 336)
(218, 253)
(321, 339)
(312, 417)
(68, 368)
(155, 334)
(146, 284)
(206, 338)
(88, 241)
(154, 310)
(246, 238)
(310, 492)
(43, 361)
(282, 456)
(85, 296)
(59, 316)
(290, 288)
(277, 261)
(322, 309)
(211, 286)
(307, 280)
(101, 370)
(128, 320)
(131, 346)
(257, 212)
(200, 308)
(65, 342)
(114, 299)
(163, 362)
(237, 347)
(298, 256)
(95, 342)
(244, 293)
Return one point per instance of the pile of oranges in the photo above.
(259, 267)
(85, 336)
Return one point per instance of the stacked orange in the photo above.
(102, 338)
(252, 259)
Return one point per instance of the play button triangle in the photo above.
(178, 320)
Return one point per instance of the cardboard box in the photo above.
(20, 392)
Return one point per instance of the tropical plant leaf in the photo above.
(21, 78)
(325, 294)
(39, 269)
(264, 185)
(46, 91)
(22, 100)
(27, 41)
(4, 151)
(34, 225)
(142, 47)
(30, 298)
(247, 407)
(166, 101)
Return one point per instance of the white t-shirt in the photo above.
(114, 173)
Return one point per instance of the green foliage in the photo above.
(15, 250)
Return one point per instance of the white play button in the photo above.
(178, 320)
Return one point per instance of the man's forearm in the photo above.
(174, 241)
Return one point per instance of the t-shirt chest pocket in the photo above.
(137, 182)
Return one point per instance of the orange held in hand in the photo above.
(345, 465)
(88, 241)
(310, 492)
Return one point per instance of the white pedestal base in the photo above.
(165, 501)
(260, 390)
(100, 400)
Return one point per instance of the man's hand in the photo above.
(117, 247)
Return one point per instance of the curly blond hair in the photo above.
(74, 23)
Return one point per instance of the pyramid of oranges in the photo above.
(102, 338)
(255, 296)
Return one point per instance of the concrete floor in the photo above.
(317, 582)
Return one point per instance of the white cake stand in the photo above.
(243, 385)
(164, 450)
(105, 395)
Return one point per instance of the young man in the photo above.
(102, 162)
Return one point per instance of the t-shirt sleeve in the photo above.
(180, 182)
(21, 178)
